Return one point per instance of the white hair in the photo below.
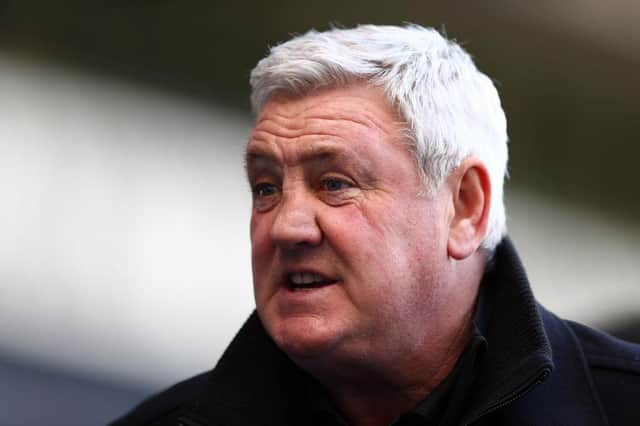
(451, 109)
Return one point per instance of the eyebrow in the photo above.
(255, 152)
(312, 153)
(255, 155)
(260, 159)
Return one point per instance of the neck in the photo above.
(370, 394)
(378, 391)
(373, 404)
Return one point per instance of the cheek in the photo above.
(259, 229)
(260, 259)
(261, 247)
(348, 231)
(254, 225)
(376, 231)
(368, 248)
(391, 248)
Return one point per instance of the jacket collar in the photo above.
(518, 355)
(254, 383)
(534, 370)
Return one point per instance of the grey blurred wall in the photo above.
(124, 249)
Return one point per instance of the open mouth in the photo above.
(299, 281)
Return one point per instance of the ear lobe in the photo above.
(471, 192)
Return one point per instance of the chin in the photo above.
(303, 337)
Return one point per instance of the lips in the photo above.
(307, 280)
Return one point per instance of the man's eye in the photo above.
(264, 190)
(333, 185)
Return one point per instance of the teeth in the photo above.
(305, 278)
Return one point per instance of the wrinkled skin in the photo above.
(336, 193)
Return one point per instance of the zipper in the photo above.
(528, 387)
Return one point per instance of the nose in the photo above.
(296, 224)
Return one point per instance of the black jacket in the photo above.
(537, 370)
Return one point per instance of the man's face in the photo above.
(348, 257)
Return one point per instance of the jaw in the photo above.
(306, 322)
(303, 336)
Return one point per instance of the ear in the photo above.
(471, 196)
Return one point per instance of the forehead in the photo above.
(360, 102)
(324, 123)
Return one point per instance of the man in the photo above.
(386, 292)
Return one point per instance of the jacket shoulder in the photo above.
(164, 407)
(615, 369)
(607, 352)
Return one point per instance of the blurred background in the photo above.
(124, 247)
